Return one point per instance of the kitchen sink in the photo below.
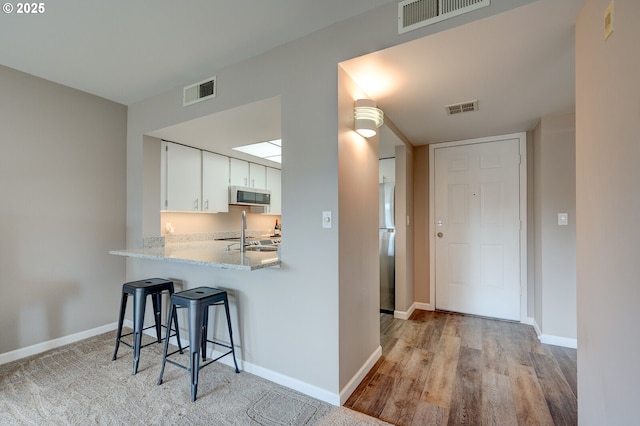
(261, 248)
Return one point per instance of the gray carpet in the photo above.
(78, 384)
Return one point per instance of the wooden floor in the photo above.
(440, 368)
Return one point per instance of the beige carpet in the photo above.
(78, 384)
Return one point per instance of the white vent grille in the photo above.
(201, 91)
(461, 107)
(414, 14)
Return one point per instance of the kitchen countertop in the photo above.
(206, 253)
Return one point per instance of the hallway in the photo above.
(442, 368)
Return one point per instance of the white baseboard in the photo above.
(281, 379)
(346, 392)
(424, 306)
(404, 315)
(566, 342)
(532, 322)
(55, 343)
(548, 339)
(292, 383)
(273, 376)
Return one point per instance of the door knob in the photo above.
(440, 234)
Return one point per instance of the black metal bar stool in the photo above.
(153, 287)
(197, 301)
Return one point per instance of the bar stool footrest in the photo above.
(211, 361)
(184, 367)
(155, 342)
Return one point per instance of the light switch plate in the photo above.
(563, 219)
(327, 222)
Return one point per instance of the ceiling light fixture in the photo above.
(367, 117)
(269, 150)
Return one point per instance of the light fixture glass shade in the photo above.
(367, 118)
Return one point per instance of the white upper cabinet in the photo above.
(198, 181)
(257, 176)
(238, 172)
(182, 177)
(244, 173)
(215, 182)
(274, 184)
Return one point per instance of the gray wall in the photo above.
(555, 246)
(62, 180)
(277, 310)
(608, 202)
(359, 262)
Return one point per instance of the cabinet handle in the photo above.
(253, 183)
(206, 205)
(195, 205)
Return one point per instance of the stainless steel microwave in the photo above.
(240, 195)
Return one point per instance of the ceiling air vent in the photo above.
(461, 107)
(201, 91)
(414, 14)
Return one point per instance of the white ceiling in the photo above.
(128, 51)
(220, 132)
(519, 65)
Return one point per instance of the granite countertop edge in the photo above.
(219, 257)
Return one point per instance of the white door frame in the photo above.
(522, 137)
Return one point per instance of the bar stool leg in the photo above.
(123, 308)
(156, 299)
(205, 331)
(233, 352)
(175, 323)
(195, 339)
(172, 315)
(139, 303)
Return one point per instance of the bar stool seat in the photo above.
(153, 287)
(198, 301)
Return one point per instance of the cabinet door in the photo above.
(275, 186)
(238, 172)
(257, 176)
(215, 182)
(183, 178)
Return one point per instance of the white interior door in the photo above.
(477, 224)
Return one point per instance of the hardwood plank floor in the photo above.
(449, 369)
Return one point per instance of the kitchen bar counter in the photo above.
(206, 253)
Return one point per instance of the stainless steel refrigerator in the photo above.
(387, 234)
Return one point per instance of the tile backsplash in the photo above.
(196, 223)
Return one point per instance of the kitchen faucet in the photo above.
(243, 227)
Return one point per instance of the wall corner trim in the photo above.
(532, 322)
(404, 315)
(548, 339)
(350, 387)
